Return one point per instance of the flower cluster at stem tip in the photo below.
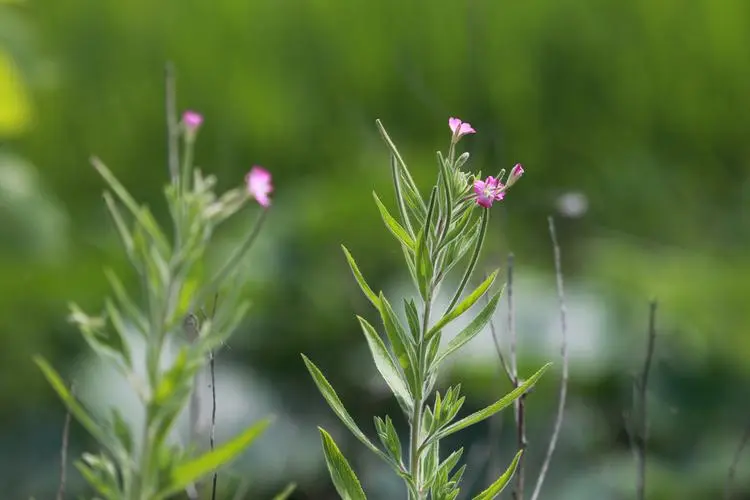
(258, 180)
(491, 189)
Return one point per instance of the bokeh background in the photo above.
(631, 119)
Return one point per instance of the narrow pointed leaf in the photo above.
(188, 472)
(73, 405)
(385, 365)
(286, 492)
(473, 261)
(396, 174)
(497, 487)
(465, 304)
(393, 226)
(471, 330)
(360, 278)
(344, 479)
(490, 410)
(338, 408)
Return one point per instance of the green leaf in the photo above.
(497, 487)
(396, 175)
(400, 342)
(122, 430)
(384, 363)
(472, 261)
(471, 330)
(126, 303)
(360, 279)
(465, 304)
(286, 492)
(343, 476)
(423, 264)
(393, 226)
(122, 227)
(188, 472)
(411, 187)
(490, 410)
(75, 408)
(96, 481)
(338, 408)
(389, 437)
(142, 215)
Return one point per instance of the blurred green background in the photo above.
(631, 119)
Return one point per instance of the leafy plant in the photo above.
(175, 293)
(435, 235)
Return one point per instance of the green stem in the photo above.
(416, 420)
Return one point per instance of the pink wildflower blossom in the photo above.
(515, 174)
(488, 191)
(259, 185)
(192, 120)
(460, 128)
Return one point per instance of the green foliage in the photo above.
(343, 476)
(174, 297)
(409, 362)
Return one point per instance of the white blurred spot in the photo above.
(573, 204)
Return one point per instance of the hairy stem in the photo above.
(416, 420)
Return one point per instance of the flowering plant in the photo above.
(435, 235)
(176, 293)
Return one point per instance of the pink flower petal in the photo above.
(459, 127)
(192, 120)
(259, 185)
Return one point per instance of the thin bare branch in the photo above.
(640, 391)
(64, 452)
(563, 354)
(728, 488)
(212, 436)
(520, 403)
(172, 127)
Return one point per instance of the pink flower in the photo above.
(192, 120)
(517, 170)
(488, 191)
(460, 128)
(515, 174)
(259, 185)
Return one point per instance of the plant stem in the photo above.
(416, 420)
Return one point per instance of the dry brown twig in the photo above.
(564, 355)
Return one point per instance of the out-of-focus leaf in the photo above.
(343, 476)
(188, 472)
(497, 487)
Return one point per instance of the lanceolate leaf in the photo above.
(490, 410)
(396, 173)
(397, 335)
(338, 407)
(393, 226)
(472, 330)
(383, 361)
(286, 492)
(75, 408)
(188, 472)
(465, 304)
(361, 279)
(344, 479)
(473, 261)
(497, 487)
